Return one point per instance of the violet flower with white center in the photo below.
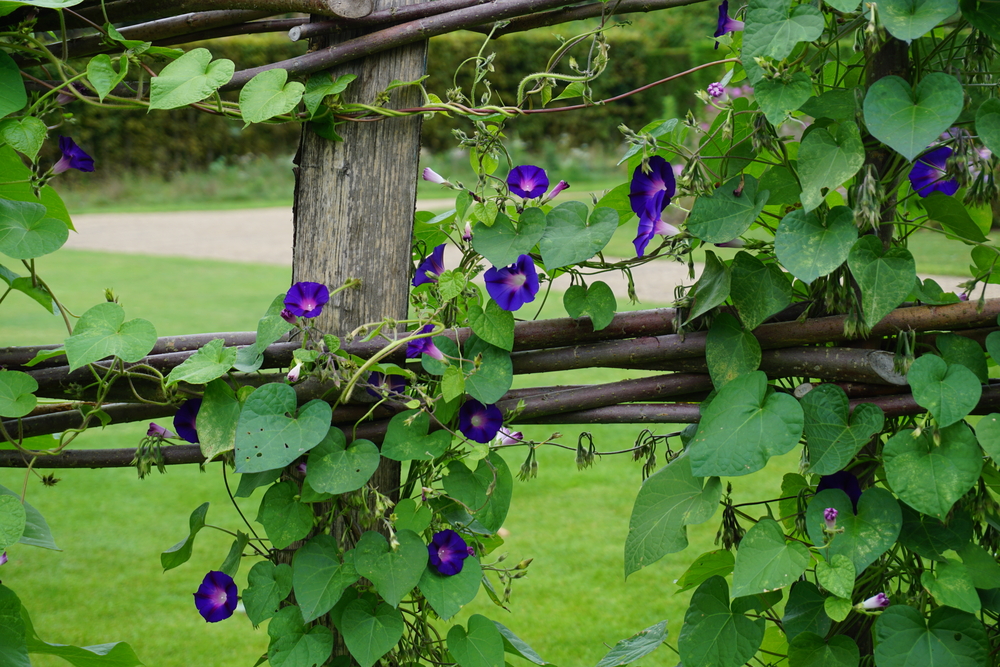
(3, 558)
(875, 602)
(293, 375)
(479, 422)
(527, 181)
(447, 552)
(217, 597)
(716, 89)
(725, 24)
(157, 431)
(288, 316)
(928, 173)
(830, 518)
(73, 157)
(431, 267)
(184, 420)
(513, 286)
(306, 299)
(507, 437)
(434, 177)
(380, 384)
(420, 346)
(844, 481)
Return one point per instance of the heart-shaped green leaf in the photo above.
(217, 420)
(953, 216)
(636, 647)
(191, 78)
(322, 84)
(570, 237)
(885, 277)
(719, 562)
(448, 594)
(36, 530)
(909, 120)
(811, 649)
(759, 290)
(320, 577)
(336, 468)
(486, 492)
(810, 248)
(827, 158)
(984, 15)
(395, 572)
(866, 535)
(370, 629)
(13, 95)
(406, 438)
(909, 19)
(103, 332)
(210, 362)
(804, 611)
(773, 29)
(833, 438)
(103, 76)
(408, 516)
(730, 351)
(180, 553)
(13, 519)
(493, 324)
(501, 244)
(779, 97)
(957, 349)
(949, 391)
(284, 518)
(837, 575)
(904, 636)
(728, 212)
(267, 95)
(930, 477)
(26, 135)
(745, 425)
(597, 301)
(766, 561)
(25, 232)
(293, 645)
(712, 287)
(835, 103)
(988, 121)
(930, 538)
(714, 634)
(981, 566)
(951, 584)
(268, 585)
(988, 434)
(267, 437)
(17, 394)
(270, 328)
(481, 646)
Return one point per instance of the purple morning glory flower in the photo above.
(559, 187)
(73, 157)
(647, 230)
(726, 25)
(527, 181)
(431, 267)
(479, 422)
(508, 437)
(184, 420)
(830, 518)
(877, 601)
(927, 174)
(157, 431)
(434, 177)
(513, 286)
(420, 346)
(293, 375)
(306, 299)
(844, 481)
(448, 552)
(3, 558)
(380, 384)
(716, 89)
(649, 194)
(216, 597)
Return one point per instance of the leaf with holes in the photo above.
(904, 636)
(271, 433)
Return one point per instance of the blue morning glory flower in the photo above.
(649, 194)
(725, 24)
(306, 299)
(447, 552)
(928, 172)
(431, 267)
(420, 346)
(844, 481)
(479, 422)
(527, 181)
(513, 286)
(184, 420)
(216, 597)
(73, 157)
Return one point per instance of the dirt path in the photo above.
(265, 236)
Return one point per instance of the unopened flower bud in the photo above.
(875, 602)
(434, 177)
(287, 315)
(716, 89)
(293, 375)
(157, 431)
(467, 234)
(830, 518)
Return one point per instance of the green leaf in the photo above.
(406, 438)
(834, 438)
(217, 421)
(866, 535)
(267, 437)
(981, 566)
(25, 232)
(836, 103)
(713, 635)
(269, 584)
(451, 284)
(516, 646)
(668, 501)
(808, 649)
(13, 645)
(570, 237)
(712, 288)
(284, 518)
(231, 565)
(988, 433)
(370, 629)
(957, 349)
(758, 290)
(765, 561)
(773, 28)
(837, 575)
(13, 95)
(837, 608)
(113, 654)
(102, 74)
(909, 120)
(636, 647)
(395, 572)
(950, 392)
(270, 329)
(746, 424)
(210, 362)
(103, 332)
(493, 324)
(322, 84)
(779, 97)
(909, 19)
(17, 397)
(333, 467)
(804, 611)
(448, 594)
(730, 351)
(25, 135)
(930, 477)
(252, 481)
(988, 114)
(783, 187)
(481, 646)
(452, 384)
(492, 377)
(827, 159)
(713, 563)
(951, 584)
(930, 538)
(13, 519)
(13, 169)
(810, 248)
(597, 301)
(727, 212)
(410, 517)
(617, 199)
(486, 492)
(36, 530)
(945, 637)
(953, 216)
(189, 79)
(320, 577)
(293, 645)
(502, 244)
(180, 553)
(884, 276)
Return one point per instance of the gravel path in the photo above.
(264, 236)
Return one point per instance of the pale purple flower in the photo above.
(184, 420)
(527, 181)
(447, 552)
(293, 375)
(648, 229)
(431, 267)
(559, 187)
(73, 157)
(306, 299)
(928, 173)
(434, 177)
(467, 234)
(288, 316)
(425, 345)
(479, 422)
(3, 558)
(217, 597)
(964, 296)
(507, 437)
(157, 431)
(735, 243)
(380, 384)
(725, 24)
(302, 467)
(830, 518)
(716, 89)
(877, 601)
(513, 286)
